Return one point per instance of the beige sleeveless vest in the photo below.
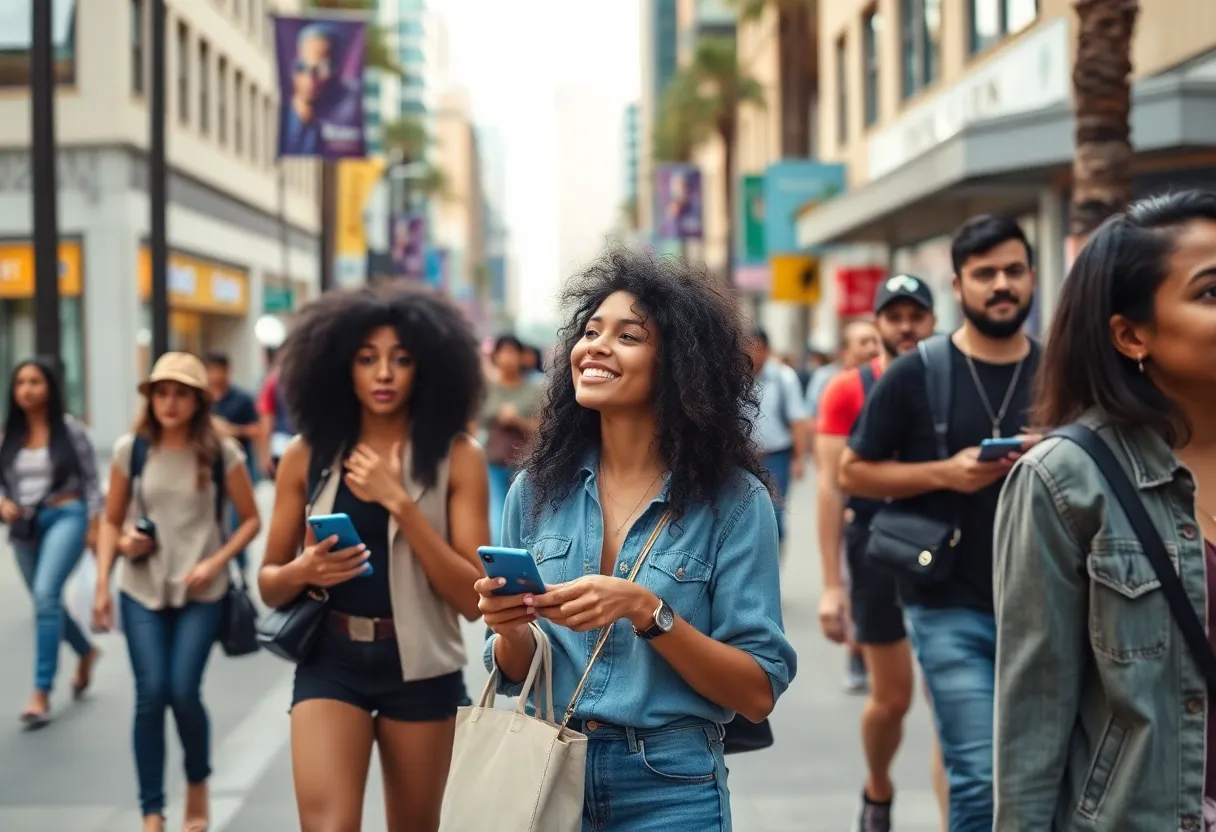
(428, 628)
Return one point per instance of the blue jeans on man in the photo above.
(956, 650)
(780, 465)
(45, 567)
(169, 649)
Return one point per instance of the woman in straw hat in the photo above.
(167, 482)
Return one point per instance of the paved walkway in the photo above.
(77, 774)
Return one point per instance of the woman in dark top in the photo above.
(48, 485)
(381, 385)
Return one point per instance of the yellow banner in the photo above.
(795, 278)
(356, 180)
(17, 270)
(197, 285)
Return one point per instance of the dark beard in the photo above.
(997, 330)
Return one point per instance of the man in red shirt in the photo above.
(903, 310)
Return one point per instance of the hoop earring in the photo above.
(1140, 364)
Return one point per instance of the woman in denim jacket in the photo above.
(1102, 717)
(655, 418)
(48, 476)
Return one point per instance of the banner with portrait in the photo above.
(407, 246)
(320, 66)
(678, 191)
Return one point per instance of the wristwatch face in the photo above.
(665, 617)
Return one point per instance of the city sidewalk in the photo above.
(77, 775)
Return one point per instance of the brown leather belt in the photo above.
(358, 628)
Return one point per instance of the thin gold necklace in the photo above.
(645, 494)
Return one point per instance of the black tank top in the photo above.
(367, 597)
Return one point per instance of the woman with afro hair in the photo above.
(647, 429)
(381, 384)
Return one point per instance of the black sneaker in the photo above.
(875, 816)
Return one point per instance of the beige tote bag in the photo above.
(512, 772)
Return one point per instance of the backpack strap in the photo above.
(318, 475)
(218, 477)
(135, 470)
(939, 387)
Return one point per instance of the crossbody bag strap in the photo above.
(135, 472)
(604, 636)
(1193, 632)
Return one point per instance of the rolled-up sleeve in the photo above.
(1040, 600)
(746, 587)
(511, 539)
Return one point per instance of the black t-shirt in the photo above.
(897, 423)
(237, 407)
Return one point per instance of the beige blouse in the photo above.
(186, 527)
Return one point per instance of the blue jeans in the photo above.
(500, 484)
(956, 649)
(658, 780)
(779, 464)
(46, 568)
(169, 649)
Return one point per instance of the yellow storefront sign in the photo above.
(795, 278)
(357, 178)
(197, 285)
(17, 270)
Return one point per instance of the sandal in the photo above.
(33, 720)
(84, 673)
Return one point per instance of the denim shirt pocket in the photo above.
(1129, 617)
(680, 578)
(552, 555)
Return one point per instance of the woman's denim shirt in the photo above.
(1100, 710)
(716, 566)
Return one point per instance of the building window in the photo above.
(255, 146)
(920, 44)
(137, 47)
(183, 73)
(204, 88)
(994, 20)
(842, 92)
(221, 102)
(871, 29)
(271, 132)
(238, 110)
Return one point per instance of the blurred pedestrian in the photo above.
(779, 427)
(48, 495)
(236, 416)
(508, 417)
(164, 523)
(648, 418)
(382, 384)
(1103, 709)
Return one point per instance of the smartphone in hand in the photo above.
(328, 525)
(516, 566)
(993, 449)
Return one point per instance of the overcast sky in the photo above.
(513, 57)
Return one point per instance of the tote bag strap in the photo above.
(604, 636)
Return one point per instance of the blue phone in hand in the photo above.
(994, 449)
(516, 566)
(328, 525)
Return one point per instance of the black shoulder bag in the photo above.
(907, 543)
(291, 631)
(1192, 629)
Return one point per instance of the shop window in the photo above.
(993, 20)
(871, 28)
(842, 92)
(920, 44)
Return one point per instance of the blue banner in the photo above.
(789, 187)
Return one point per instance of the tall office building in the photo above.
(388, 97)
(659, 53)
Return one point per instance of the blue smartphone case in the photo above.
(994, 449)
(327, 525)
(516, 566)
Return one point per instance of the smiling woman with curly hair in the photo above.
(381, 385)
(646, 437)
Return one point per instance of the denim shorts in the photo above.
(368, 676)
(667, 779)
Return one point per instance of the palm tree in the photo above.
(683, 120)
(1101, 167)
(798, 70)
(376, 52)
(407, 140)
(721, 88)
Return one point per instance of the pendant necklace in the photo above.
(999, 416)
(635, 508)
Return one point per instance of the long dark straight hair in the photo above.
(17, 427)
(1118, 272)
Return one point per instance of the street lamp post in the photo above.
(158, 246)
(45, 187)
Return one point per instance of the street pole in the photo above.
(45, 186)
(157, 181)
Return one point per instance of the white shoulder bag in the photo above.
(518, 773)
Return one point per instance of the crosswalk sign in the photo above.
(795, 278)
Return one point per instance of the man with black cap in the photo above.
(903, 312)
(936, 438)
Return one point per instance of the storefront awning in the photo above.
(1000, 162)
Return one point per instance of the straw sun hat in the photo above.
(181, 367)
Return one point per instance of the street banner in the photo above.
(791, 187)
(855, 289)
(407, 246)
(795, 279)
(320, 66)
(357, 178)
(678, 190)
(752, 249)
(437, 268)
